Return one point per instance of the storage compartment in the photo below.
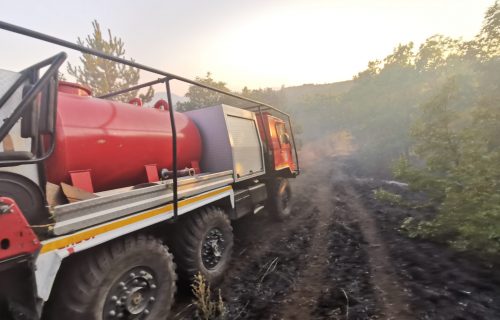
(230, 140)
(248, 199)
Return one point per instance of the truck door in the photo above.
(275, 133)
(281, 147)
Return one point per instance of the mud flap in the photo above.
(18, 289)
(18, 248)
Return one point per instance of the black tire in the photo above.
(280, 199)
(198, 246)
(128, 276)
(27, 195)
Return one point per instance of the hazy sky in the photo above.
(258, 43)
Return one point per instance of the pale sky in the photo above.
(257, 43)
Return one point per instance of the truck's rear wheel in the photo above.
(280, 200)
(204, 244)
(133, 278)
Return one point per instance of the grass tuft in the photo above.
(206, 307)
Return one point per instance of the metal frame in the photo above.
(31, 74)
(166, 78)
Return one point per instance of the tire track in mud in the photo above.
(393, 299)
(278, 278)
(320, 267)
(309, 287)
(350, 294)
(256, 289)
(267, 258)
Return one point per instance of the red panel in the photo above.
(16, 236)
(82, 179)
(196, 166)
(152, 172)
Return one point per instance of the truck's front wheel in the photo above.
(204, 244)
(280, 200)
(133, 278)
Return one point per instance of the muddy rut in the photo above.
(316, 265)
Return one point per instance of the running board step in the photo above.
(258, 209)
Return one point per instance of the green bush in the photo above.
(386, 196)
(456, 145)
(461, 152)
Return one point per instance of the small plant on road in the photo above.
(207, 308)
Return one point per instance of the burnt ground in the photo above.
(443, 283)
(342, 256)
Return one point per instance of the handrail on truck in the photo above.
(166, 78)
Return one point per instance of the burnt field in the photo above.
(342, 256)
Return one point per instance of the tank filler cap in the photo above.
(162, 105)
(74, 88)
(136, 102)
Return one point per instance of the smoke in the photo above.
(317, 163)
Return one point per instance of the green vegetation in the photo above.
(104, 76)
(387, 196)
(200, 97)
(436, 108)
(207, 308)
(456, 135)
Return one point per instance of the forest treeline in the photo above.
(430, 116)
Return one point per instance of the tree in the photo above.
(373, 69)
(488, 39)
(436, 51)
(61, 76)
(275, 98)
(200, 97)
(455, 139)
(461, 173)
(401, 56)
(104, 76)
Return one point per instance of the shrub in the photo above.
(386, 196)
(207, 308)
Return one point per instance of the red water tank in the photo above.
(115, 140)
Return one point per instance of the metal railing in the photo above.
(167, 77)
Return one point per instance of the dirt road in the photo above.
(322, 264)
(341, 256)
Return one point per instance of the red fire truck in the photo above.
(104, 204)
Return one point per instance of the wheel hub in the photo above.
(212, 248)
(132, 295)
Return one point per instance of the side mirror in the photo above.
(285, 138)
(48, 108)
(29, 120)
(40, 116)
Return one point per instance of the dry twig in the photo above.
(347, 304)
(270, 268)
